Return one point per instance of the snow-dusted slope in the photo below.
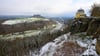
(50, 48)
(91, 50)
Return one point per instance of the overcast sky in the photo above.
(44, 7)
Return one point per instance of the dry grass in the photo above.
(69, 49)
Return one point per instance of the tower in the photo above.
(80, 14)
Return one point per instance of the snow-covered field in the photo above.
(16, 21)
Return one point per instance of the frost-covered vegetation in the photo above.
(23, 20)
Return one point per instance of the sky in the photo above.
(44, 7)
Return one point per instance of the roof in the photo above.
(80, 10)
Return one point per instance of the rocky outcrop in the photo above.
(79, 25)
(94, 30)
(91, 26)
(98, 46)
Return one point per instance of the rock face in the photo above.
(79, 25)
(89, 25)
(94, 29)
(93, 26)
(98, 46)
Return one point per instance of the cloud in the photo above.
(47, 7)
(96, 1)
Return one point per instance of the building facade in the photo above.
(80, 14)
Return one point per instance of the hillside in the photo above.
(20, 43)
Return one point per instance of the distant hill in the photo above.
(13, 17)
(38, 16)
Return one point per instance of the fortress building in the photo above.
(80, 14)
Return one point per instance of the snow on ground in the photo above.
(90, 52)
(90, 45)
(16, 21)
(50, 48)
(81, 43)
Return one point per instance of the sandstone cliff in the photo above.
(91, 26)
